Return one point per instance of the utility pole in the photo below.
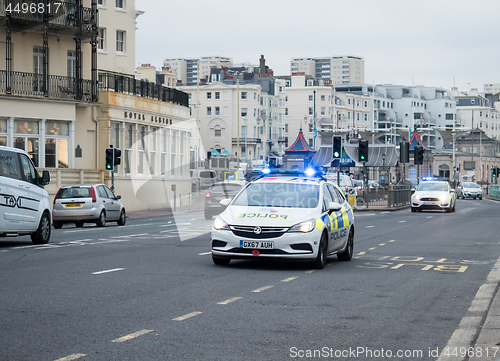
(238, 111)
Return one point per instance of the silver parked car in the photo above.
(469, 189)
(87, 203)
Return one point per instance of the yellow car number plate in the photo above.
(69, 205)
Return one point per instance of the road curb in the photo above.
(476, 330)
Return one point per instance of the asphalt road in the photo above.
(149, 291)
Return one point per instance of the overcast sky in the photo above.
(428, 42)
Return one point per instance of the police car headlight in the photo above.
(220, 225)
(444, 198)
(304, 227)
(416, 196)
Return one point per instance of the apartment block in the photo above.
(187, 69)
(331, 70)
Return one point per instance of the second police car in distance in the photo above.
(433, 195)
(285, 215)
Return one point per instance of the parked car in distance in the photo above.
(469, 190)
(345, 181)
(204, 177)
(218, 192)
(87, 203)
(24, 203)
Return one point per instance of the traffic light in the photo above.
(494, 172)
(337, 147)
(404, 152)
(418, 156)
(209, 154)
(116, 158)
(363, 150)
(110, 158)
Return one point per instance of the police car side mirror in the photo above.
(334, 206)
(225, 202)
(45, 178)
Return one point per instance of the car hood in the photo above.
(467, 189)
(430, 194)
(267, 216)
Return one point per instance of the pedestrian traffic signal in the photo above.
(337, 146)
(110, 158)
(363, 151)
(418, 155)
(404, 152)
(116, 158)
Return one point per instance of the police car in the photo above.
(286, 215)
(433, 195)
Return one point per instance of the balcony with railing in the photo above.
(247, 140)
(31, 85)
(60, 17)
(124, 83)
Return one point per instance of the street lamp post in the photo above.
(238, 111)
(246, 137)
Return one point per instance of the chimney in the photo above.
(262, 65)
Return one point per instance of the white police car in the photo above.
(433, 195)
(286, 215)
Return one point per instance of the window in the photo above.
(310, 98)
(120, 4)
(243, 95)
(141, 150)
(310, 111)
(286, 111)
(366, 117)
(181, 153)
(9, 165)
(129, 140)
(217, 131)
(209, 95)
(56, 144)
(286, 128)
(152, 150)
(217, 95)
(243, 112)
(163, 155)
(101, 39)
(26, 138)
(120, 41)
(217, 110)
(3, 132)
(209, 110)
(322, 98)
(101, 3)
(322, 110)
(173, 152)
(311, 128)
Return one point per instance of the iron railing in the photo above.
(58, 87)
(124, 83)
(58, 13)
(394, 196)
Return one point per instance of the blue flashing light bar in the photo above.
(309, 172)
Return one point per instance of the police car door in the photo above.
(329, 219)
(341, 218)
(33, 194)
(11, 188)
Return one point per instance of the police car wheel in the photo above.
(221, 261)
(321, 258)
(123, 219)
(101, 222)
(42, 234)
(57, 225)
(347, 254)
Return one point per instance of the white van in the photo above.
(24, 203)
(204, 177)
(345, 182)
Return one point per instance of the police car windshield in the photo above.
(269, 194)
(433, 187)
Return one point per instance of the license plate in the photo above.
(257, 244)
(73, 205)
(424, 203)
